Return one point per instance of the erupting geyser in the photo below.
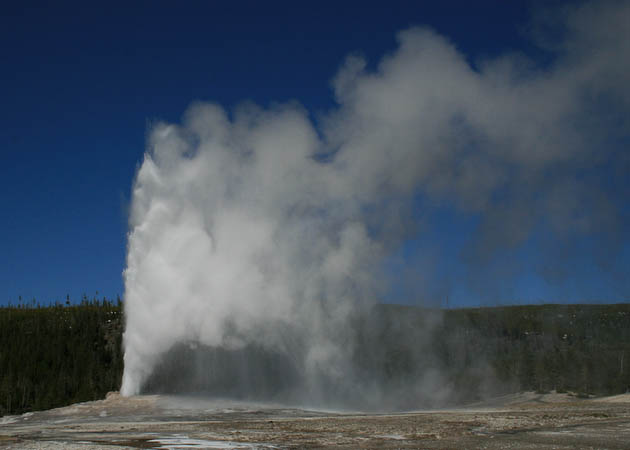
(238, 234)
(257, 227)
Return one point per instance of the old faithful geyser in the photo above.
(257, 227)
(238, 231)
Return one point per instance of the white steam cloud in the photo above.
(248, 223)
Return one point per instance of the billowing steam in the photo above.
(258, 227)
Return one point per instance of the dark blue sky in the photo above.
(81, 82)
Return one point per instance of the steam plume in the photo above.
(253, 225)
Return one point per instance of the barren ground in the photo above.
(526, 421)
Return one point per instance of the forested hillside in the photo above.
(579, 348)
(584, 349)
(57, 355)
(61, 354)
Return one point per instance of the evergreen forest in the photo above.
(57, 355)
(61, 354)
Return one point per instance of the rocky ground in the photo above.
(524, 421)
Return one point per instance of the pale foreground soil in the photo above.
(524, 421)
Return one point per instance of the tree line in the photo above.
(579, 349)
(61, 354)
(56, 355)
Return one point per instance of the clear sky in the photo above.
(80, 83)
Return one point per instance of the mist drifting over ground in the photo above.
(257, 228)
